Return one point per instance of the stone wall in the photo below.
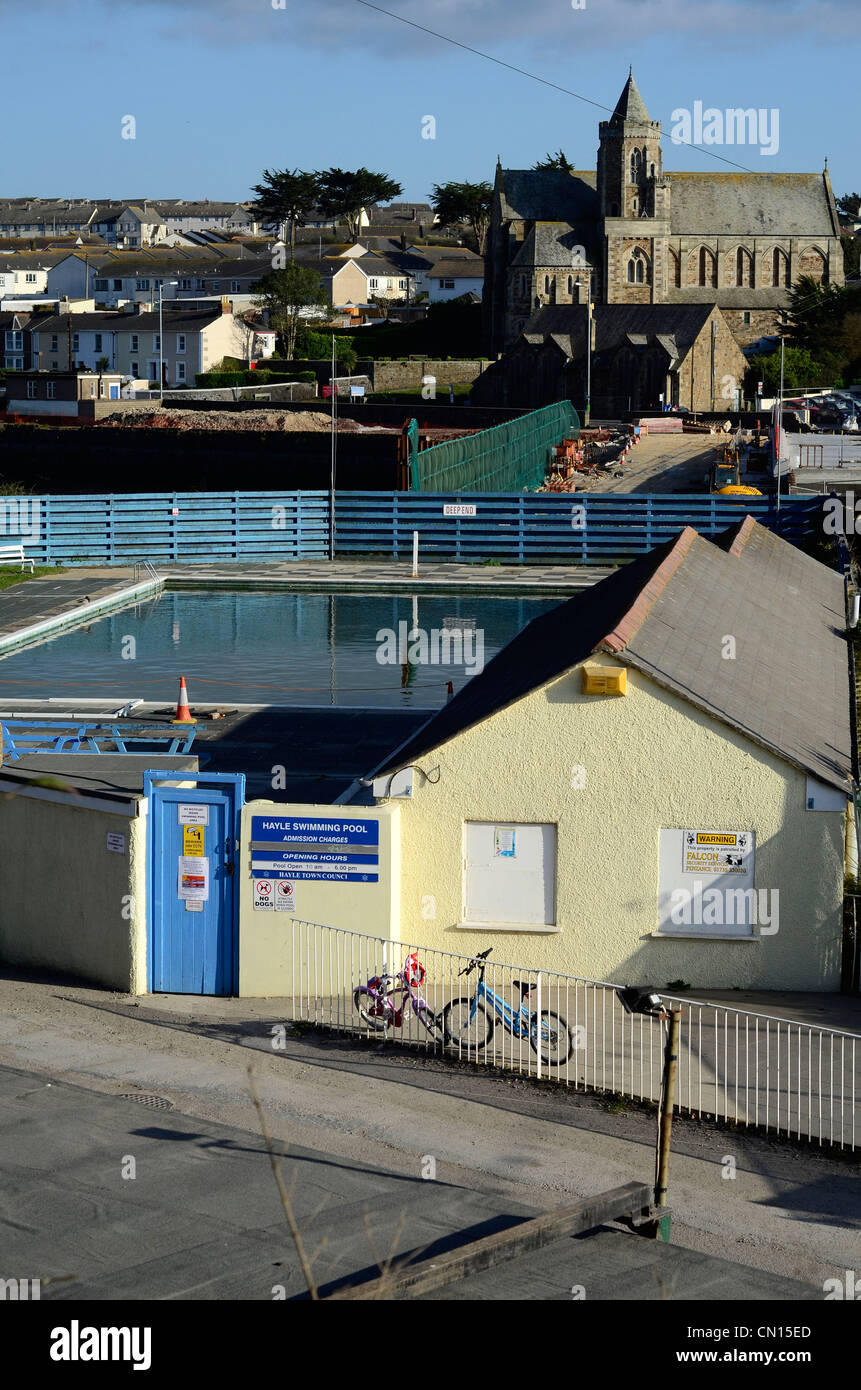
(407, 376)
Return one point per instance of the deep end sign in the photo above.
(330, 848)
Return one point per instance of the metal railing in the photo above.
(746, 1068)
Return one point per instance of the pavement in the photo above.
(665, 463)
(364, 1119)
(120, 1197)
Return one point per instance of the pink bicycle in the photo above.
(385, 1000)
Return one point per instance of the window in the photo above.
(29, 278)
(185, 284)
(635, 205)
(745, 318)
(118, 284)
(76, 342)
(640, 271)
(373, 282)
(15, 364)
(631, 272)
(142, 284)
(31, 390)
(52, 390)
(92, 389)
(134, 368)
(780, 268)
(635, 166)
(98, 347)
(652, 170)
(235, 286)
(707, 267)
(54, 366)
(135, 342)
(570, 284)
(510, 874)
(402, 284)
(180, 342)
(743, 267)
(156, 342)
(547, 284)
(14, 341)
(180, 371)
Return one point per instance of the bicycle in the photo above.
(469, 1022)
(383, 1002)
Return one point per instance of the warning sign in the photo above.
(264, 899)
(716, 852)
(193, 815)
(192, 841)
(285, 896)
(193, 879)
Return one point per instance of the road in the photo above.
(786, 1211)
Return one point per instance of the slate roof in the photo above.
(616, 323)
(177, 320)
(666, 615)
(458, 270)
(630, 106)
(712, 204)
(548, 195)
(553, 243)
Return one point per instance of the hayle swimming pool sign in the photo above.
(318, 847)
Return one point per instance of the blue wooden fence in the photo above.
(195, 527)
(550, 527)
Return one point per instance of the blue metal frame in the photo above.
(520, 1024)
(64, 736)
(213, 781)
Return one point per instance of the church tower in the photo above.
(633, 201)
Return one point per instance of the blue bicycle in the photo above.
(468, 1024)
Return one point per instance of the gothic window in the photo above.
(547, 284)
(635, 205)
(707, 267)
(631, 272)
(743, 268)
(635, 166)
(652, 170)
(675, 270)
(780, 268)
(640, 269)
(570, 284)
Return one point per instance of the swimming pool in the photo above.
(275, 648)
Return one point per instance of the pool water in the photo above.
(281, 649)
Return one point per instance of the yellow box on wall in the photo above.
(604, 680)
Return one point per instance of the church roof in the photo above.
(781, 205)
(548, 195)
(674, 326)
(630, 106)
(554, 244)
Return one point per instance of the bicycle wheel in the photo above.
(374, 1012)
(466, 1034)
(554, 1045)
(429, 1020)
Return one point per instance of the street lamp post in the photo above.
(161, 338)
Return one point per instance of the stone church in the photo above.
(646, 237)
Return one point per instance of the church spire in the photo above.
(630, 106)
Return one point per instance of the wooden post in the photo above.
(671, 1057)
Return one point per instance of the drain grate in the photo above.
(154, 1102)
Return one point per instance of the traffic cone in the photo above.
(183, 713)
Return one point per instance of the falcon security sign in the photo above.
(331, 848)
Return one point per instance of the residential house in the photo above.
(194, 342)
(16, 341)
(130, 225)
(180, 217)
(23, 275)
(60, 393)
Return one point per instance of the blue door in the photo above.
(193, 887)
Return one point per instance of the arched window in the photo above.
(635, 165)
(570, 284)
(547, 284)
(743, 267)
(780, 268)
(631, 272)
(635, 205)
(640, 272)
(675, 270)
(706, 267)
(652, 170)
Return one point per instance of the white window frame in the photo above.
(31, 390)
(180, 371)
(51, 387)
(180, 342)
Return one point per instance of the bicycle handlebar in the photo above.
(478, 960)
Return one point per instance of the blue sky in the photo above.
(221, 89)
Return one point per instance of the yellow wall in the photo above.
(65, 899)
(266, 965)
(651, 761)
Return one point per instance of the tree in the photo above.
(317, 346)
(285, 196)
(851, 256)
(848, 205)
(343, 193)
(464, 203)
(558, 161)
(284, 294)
(800, 369)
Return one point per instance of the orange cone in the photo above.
(183, 713)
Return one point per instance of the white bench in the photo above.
(12, 554)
